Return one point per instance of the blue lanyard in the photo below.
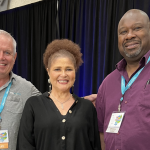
(5, 97)
(123, 88)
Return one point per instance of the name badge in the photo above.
(4, 139)
(115, 122)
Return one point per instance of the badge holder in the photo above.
(115, 121)
(4, 139)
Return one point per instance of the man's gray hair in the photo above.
(2, 32)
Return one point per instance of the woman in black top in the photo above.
(59, 120)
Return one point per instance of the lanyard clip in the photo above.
(121, 99)
(119, 108)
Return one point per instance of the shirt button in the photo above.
(63, 137)
(125, 102)
(70, 111)
(64, 120)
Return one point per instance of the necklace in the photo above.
(61, 102)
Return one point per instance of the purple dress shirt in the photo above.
(134, 133)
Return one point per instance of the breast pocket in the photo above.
(14, 104)
(144, 105)
(145, 97)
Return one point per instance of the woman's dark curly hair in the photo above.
(63, 44)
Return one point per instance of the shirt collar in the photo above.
(122, 64)
(12, 76)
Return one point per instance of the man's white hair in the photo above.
(2, 32)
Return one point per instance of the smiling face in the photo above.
(62, 74)
(134, 35)
(7, 56)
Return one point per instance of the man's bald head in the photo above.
(131, 12)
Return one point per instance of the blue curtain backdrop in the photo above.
(84, 23)
(90, 23)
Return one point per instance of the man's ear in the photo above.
(15, 57)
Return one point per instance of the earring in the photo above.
(72, 90)
(50, 85)
(49, 81)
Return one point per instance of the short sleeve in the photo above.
(100, 108)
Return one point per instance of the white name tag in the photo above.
(4, 139)
(115, 122)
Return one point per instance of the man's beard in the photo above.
(132, 55)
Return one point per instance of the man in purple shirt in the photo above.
(134, 98)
